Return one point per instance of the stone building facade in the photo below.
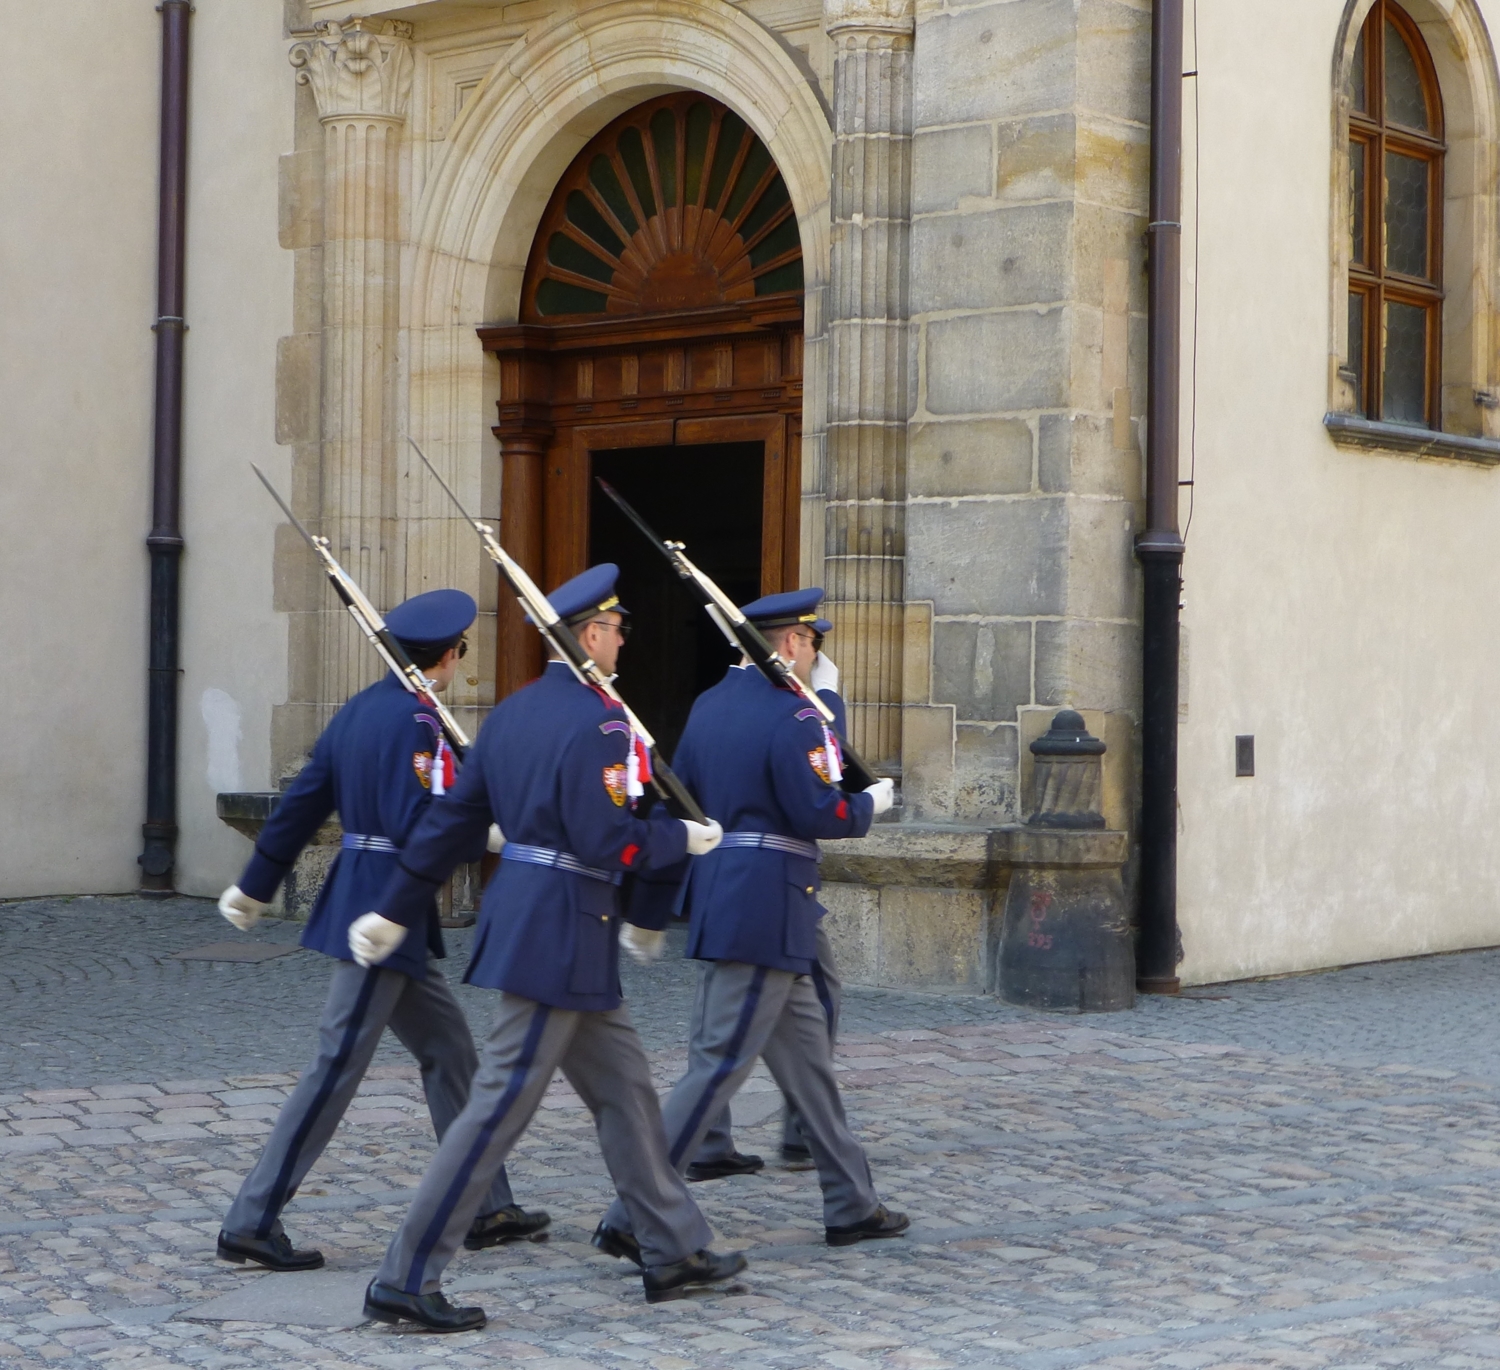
(945, 414)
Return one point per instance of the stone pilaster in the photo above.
(868, 372)
(360, 73)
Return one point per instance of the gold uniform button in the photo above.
(809, 889)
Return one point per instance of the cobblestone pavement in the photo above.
(1302, 1174)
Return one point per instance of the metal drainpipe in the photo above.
(1159, 547)
(165, 540)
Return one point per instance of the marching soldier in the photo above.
(555, 766)
(379, 763)
(718, 1157)
(760, 757)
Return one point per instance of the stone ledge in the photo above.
(952, 857)
(247, 811)
(1351, 430)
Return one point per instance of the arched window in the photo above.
(1395, 222)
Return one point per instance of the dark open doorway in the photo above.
(711, 498)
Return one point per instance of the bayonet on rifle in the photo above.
(562, 641)
(745, 636)
(372, 625)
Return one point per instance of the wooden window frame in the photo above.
(1371, 278)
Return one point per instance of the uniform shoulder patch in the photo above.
(807, 713)
(615, 725)
(421, 763)
(615, 783)
(817, 758)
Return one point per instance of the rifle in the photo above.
(745, 636)
(560, 638)
(373, 626)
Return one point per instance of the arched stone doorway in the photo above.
(660, 344)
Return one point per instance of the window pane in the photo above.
(699, 120)
(1357, 344)
(1357, 76)
(1406, 214)
(664, 144)
(1405, 378)
(602, 174)
(1405, 101)
(1358, 152)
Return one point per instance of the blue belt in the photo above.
(774, 841)
(561, 860)
(359, 841)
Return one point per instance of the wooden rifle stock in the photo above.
(372, 625)
(747, 637)
(680, 803)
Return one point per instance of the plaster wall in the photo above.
(239, 302)
(77, 253)
(1338, 603)
(78, 244)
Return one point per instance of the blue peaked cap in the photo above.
(822, 625)
(431, 619)
(785, 609)
(592, 592)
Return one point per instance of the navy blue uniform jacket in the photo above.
(750, 755)
(549, 767)
(373, 765)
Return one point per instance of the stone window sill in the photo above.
(1351, 430)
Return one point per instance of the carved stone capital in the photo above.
(363, 67)
(895, 17)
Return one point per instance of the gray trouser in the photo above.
(743, 1012)
(361, 1004)
(603, 1060)
(718, 1142)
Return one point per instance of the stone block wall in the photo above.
(1030, 160)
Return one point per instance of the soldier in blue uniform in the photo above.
(379, 763)
(555, 766)
(762, 759)
(718, 1156)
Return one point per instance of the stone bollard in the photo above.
(1065, 939)
(1069, 775)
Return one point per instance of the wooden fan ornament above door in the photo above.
(661, 306)
(676, 206)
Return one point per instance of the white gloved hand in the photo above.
(241, 910)
(373, 938)
(883, 792)
(496, 842)
(642, 944)
(825, 675)
(702, 837)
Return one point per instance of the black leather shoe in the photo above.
(724, 1166)
(796, 1155)
(275, 1253)
(433, 1311)
(507, 1225)
(665, 1282)
(881, 1223)
(613, 1242)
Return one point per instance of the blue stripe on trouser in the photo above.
(820, 983)
(726, 1067)
(465, 1171)
(278, 1198)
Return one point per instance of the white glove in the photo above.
(702, 837)
(241, 910)
(883, 792)
(642, 944)
(496, 843)
(825, 675)
(373, 938)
